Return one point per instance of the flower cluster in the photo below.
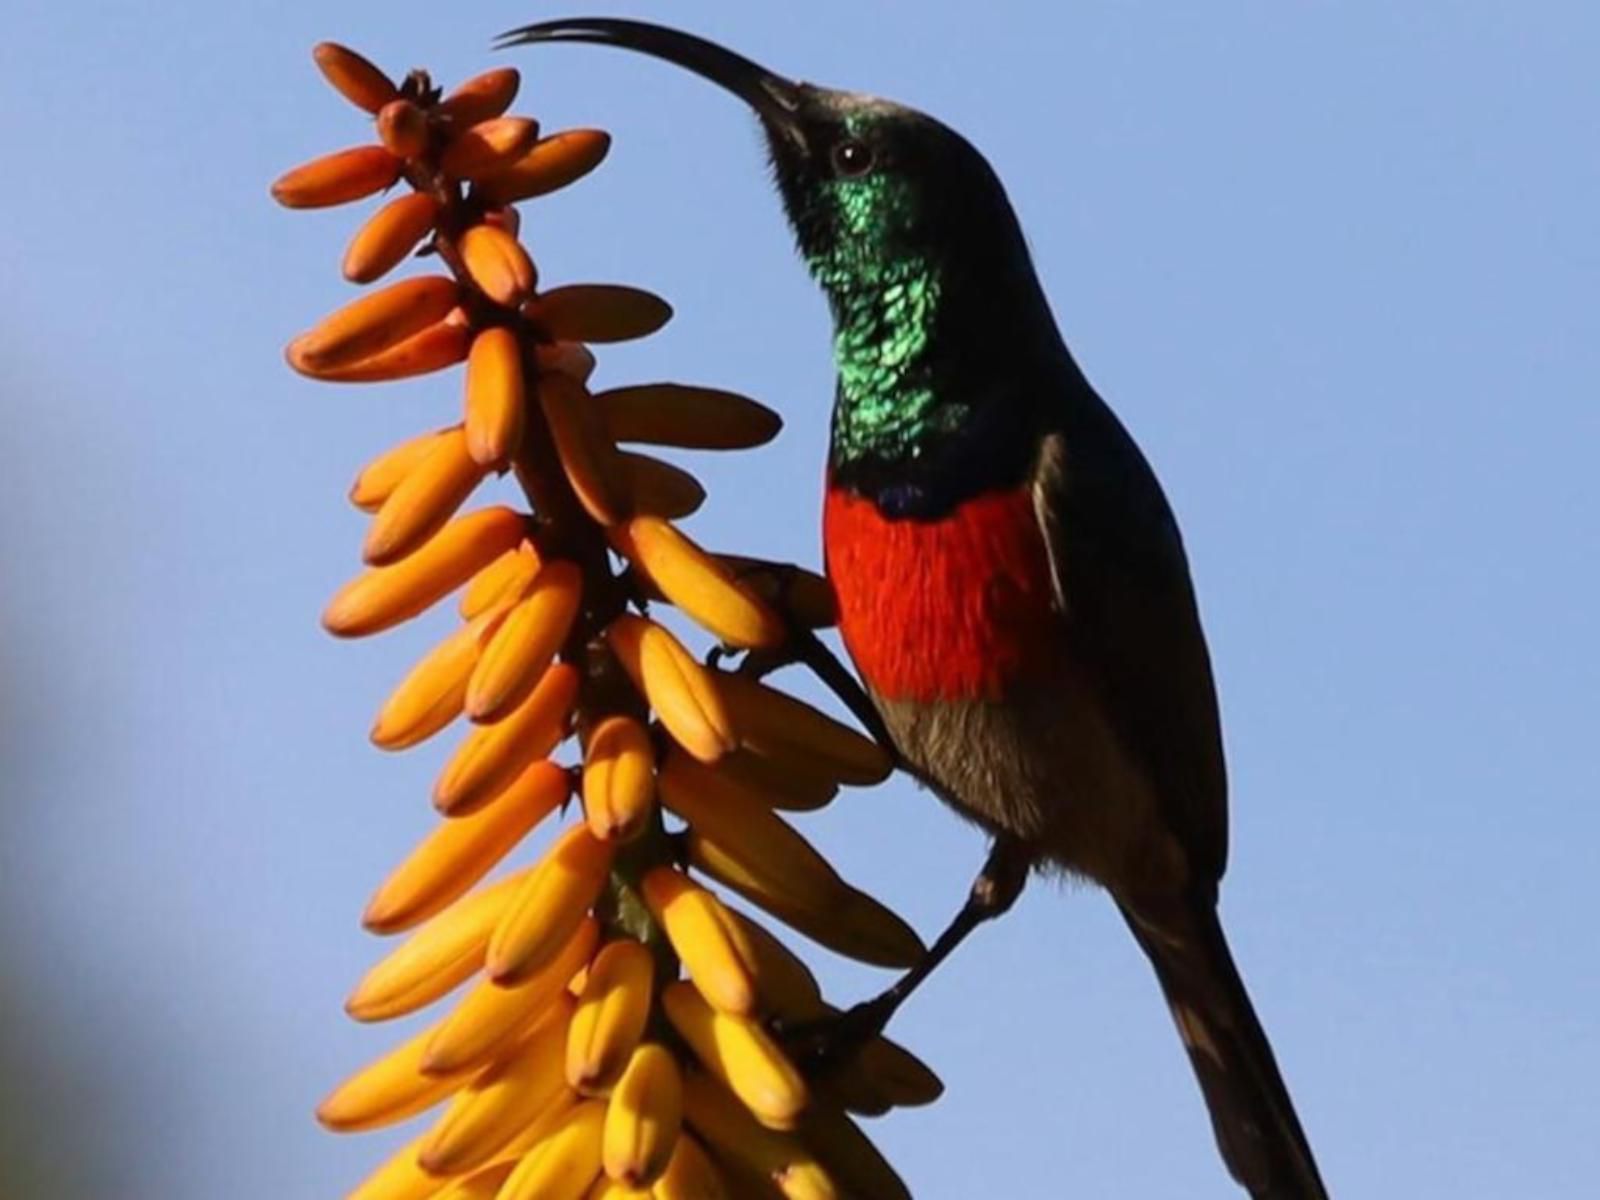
(615, 1032)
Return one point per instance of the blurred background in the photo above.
(1336, 267)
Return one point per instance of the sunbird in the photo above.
(1012, 585)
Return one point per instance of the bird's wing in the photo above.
(1122, 582)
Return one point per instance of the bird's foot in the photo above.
(819, 1045)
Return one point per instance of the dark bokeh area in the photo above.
(74, 1063)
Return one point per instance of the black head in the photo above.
(864, 181)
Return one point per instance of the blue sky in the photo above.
(1334, 264)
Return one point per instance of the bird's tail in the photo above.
(1255, 1123)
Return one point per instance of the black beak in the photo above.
(775, 99)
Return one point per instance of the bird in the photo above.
(1012, 585)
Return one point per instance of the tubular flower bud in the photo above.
(387, 1091)
(593, 466)
(506, 578)
(609, 1189)
(502, 1102)
(713, 947)
(385, 596)
(496, 398)
(804, 597)
(851, 1158)
(619, 789)
(433, 693)
(459, 853)
(337, 178)
(565, 1164)
(403, 128)
(749, 848)
(356, 79)
(482, 97)
(895, 1074)
(697, 583)
(690, 1174)
(506, 218)
(493, 755)
(643, 1118)
(423, 501)
(490, 1017)
(389, 235)
(376, 322)
(549, 906)
(434, 959)
(572, 359)
(771, 722)
(752, 778)
(383, 474)
(599, 312)
(660, 489)
(738, 1051)
(788, 989)
(669, 414)
(612, 1012)
(438, 346)
(498, 264)
(524, 645)
(737, 1137)
(399, 1178)
(483, 1184)
(552, 164)
(488, 146)
(681, 691)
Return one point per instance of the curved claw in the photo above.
(818, 1046)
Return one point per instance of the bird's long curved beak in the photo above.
(774, 98)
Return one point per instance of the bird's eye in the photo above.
(851, 157)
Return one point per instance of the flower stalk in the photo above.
(616, 1037)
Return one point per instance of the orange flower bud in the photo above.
(383, 474)
(460, 852)
(403, 128)
(599, 312)
(682, 692)
(423, 501)
(619, 785)
(389, 235)
(498, 264)
(356, 79)
(433, 692)
(489, 146)
(553, 163)
(525, 644)
(698, 583)
(695, 418)
(549, 906)
(494, 755)
(376, 322)
(481, 98)
(496, 408)
(661, 489)
(337, 178)
(436, 347)
(588, 454)
(506, 578)
(385, 596)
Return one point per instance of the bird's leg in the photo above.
(820, 1044)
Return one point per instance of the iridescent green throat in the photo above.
(885, 310)
(883, 328)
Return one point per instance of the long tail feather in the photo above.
(1251, 1112)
